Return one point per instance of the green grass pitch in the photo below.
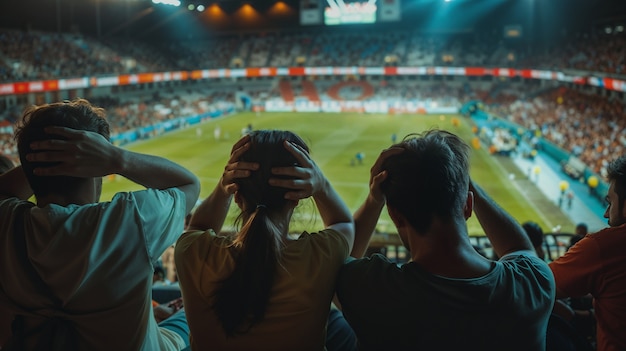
(334, 140)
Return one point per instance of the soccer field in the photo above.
(334, 140)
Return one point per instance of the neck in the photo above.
(445, 250)
(83, 194)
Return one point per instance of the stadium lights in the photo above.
(167, 2)
(200, 8)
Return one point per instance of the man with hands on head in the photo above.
(448, 297)
(74, 267)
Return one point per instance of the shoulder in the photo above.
(149, 194)
(368, 266)
(520, 261)
(526, 264)
(193, 238)
(328, 238)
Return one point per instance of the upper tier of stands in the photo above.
(33, 56)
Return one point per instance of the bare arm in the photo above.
(213, 210)
(505, 234)
(309, 181)
(13, 183)
(366, 217)
(87, 154)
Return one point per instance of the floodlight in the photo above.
(191, 7)
(200, 8)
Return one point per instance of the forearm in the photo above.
(158, 173)
(365, 220)
(331, 207)
(13, 183)
(503, 231)
(212, 211)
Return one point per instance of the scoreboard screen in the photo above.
(349, 12)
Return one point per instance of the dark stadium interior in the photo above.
(544, 20)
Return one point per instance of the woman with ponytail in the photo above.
(259, 289)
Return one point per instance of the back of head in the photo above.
(581, 229)
(429, 179)
(266, 149)
(616, 173)
(77, 114)
(242, 298)
(5, 164)
(534, 232)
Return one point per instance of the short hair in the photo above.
(616, 173)
(534, 233)
(582, 226)
(429, 179)
(76, 114)
(5, 164)
(158, 270)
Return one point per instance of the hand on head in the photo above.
(234, 168)
(306, 177)
(378, 175)
(81, 154)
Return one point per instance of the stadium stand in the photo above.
(588, 123)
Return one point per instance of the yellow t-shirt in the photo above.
(300, 299)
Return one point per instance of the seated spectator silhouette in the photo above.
(76, 272)
(561, 334)
(262, 289)
(536, 237)
(596, 265)
(448, 297)
(579, 233)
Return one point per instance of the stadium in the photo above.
(536, 88)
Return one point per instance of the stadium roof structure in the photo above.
(146, 19)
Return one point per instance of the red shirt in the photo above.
(597, 265)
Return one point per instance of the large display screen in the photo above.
(349, 12)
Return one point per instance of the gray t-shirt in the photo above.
(407, 308)
(97, 260)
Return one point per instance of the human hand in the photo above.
(235, 169)
(162, 312)
(378, 175)
(82, 154)
(306, 178)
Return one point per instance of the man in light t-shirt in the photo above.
(74, 267)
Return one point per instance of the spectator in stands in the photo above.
(98, 297)
(450, 297)
(158, 277)
(262, 289)
(597, 265)
(579, 232)
(536, 236)
(169, 265)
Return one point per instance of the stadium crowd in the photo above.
(448, 288)
(252, 287)
(74, 55)
(590, 127)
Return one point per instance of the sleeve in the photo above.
(333, 244)
(575, 272)
(161, 215)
